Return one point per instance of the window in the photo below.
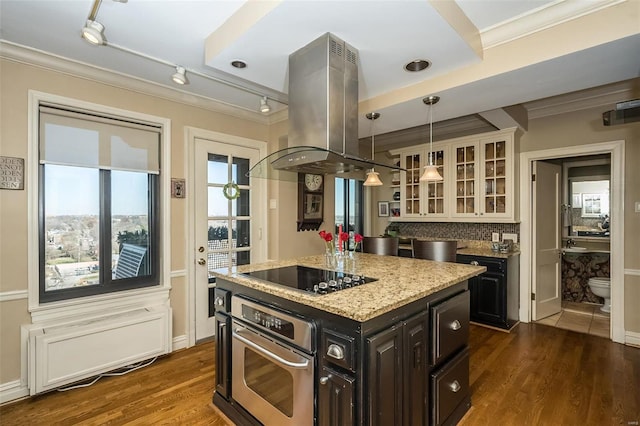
(348, 204)
(98, 194)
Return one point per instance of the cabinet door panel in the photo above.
(384, 377)
(223, 354)
(335, 398)
(491, 298)
(415, 338)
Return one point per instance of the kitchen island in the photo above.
(391, 351)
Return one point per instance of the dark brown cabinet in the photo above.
(406, 367)
(223, 354)
(397, 373)
(495, 293)
(335, 398)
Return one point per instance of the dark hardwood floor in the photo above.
(536, 375)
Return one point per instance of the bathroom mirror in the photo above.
(589, 207)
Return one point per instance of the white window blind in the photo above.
(77, 139)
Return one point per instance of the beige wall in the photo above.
(585, 127)
(15, 82)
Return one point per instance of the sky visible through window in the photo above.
(74, 191)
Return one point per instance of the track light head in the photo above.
(264, 105)
(180, 76)
(93, 32)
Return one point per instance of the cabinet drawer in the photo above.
(222, 300)
(449, 327)
(449, 387)
(338, 349)
(492, 264)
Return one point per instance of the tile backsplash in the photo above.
(458, 230)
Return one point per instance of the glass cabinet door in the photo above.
(435, 190)
(465, 178)
(413, 163)
(495, 175)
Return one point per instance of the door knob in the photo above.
(201, 261)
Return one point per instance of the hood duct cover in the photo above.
(323, 113)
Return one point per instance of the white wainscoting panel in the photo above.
(66, 353)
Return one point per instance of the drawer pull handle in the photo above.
(456, 325)
(335, 351)
(324, 380)
(474, 263)
(219, 301)
(455, 386)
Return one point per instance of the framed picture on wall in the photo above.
(383, 208)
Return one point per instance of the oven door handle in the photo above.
(269, 354)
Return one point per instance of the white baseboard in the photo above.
(631, 338)
(179, 342)
(12, 390)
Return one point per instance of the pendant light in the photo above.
(372, 175)
(430, 170)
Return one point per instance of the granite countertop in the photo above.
(400, 281)
(487, 252)
(468, 247)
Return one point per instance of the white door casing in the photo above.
(201, 144)
(617, 151)
(546, 250)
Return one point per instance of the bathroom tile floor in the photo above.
(580, 317)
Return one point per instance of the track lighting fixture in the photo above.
(373, 178)
(180, 76)
(93, 32)
(264, 105)
(431, 170)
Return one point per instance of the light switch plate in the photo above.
(495, 237)
(512, 237)
(273, 204)
(637, 206)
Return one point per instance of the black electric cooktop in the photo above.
(313, 280)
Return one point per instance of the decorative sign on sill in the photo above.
(11, 173)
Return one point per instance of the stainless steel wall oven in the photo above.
(273, 367)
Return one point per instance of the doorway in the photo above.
(529, 232)
(576, 241)
(227, 218)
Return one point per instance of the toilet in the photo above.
(601, 286)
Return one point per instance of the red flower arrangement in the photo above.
(357, 238)
(328, 239)
(342, 239)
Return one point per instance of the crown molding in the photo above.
(603, 96)
(542, 18)
(38, 58)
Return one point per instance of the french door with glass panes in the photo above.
(228, 230)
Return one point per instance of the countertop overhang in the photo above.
(399, 281)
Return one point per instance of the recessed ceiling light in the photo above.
(238, 64)
(417, 65)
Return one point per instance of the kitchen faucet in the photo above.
(570, 243)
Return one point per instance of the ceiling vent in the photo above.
(625, 112)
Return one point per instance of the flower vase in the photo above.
(350, 261)
(330, 260)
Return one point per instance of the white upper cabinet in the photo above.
(479, 180)
(423, 199)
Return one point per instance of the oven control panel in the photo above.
(269, 321)
(273, 321)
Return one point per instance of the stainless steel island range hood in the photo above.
(323, 113)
